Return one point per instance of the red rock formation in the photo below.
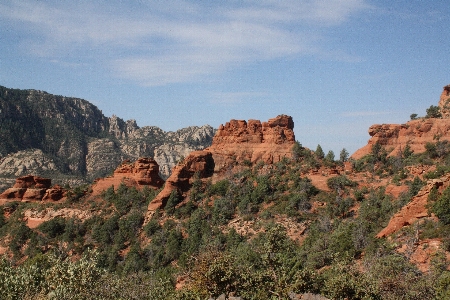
(415, 133)
(33, 194)
(181, 179)
(416, 209)
(13, 193)
(29, 188)
(444, 102)
(30, 181)
(239, 140)
(233, 143)
(143, 172)
(55, 193)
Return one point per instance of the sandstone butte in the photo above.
(143, 172)
(234, 142)
(33, 188)
(415, 133)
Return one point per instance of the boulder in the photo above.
(13, 193)
(33, 194)
(54, 194)
(444, 102)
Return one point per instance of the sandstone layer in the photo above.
(416, 209)
(142, 172)
(181, 179)
(33, 188)
(234, 143)
(254, 141)
(444, 102)
(415, 133)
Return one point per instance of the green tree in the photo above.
(340, 182)
(319, 152)
(343, 155)
(330, 156)
(297, 151)
(407, 152)
(442, 207)
(433, 112)
(413, 116)
(172, 202)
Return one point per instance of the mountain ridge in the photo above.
(70, 139)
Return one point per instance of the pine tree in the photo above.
(319, 152)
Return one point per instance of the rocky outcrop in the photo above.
(142, 172)
(181, 179)
(121, 129)
(415, 133)
(444, 102)
(101, 154)
(254, 141)
(54, 194)
(33, 188)
(76, 140)
(31, 161)
(168, 155)
(233, 143)
(416, 209)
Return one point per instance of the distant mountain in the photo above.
(70, 139)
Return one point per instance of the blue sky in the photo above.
(336, 67)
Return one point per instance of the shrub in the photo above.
(54, 227)
(220, 188)
(433, 112)
(151, 227)
(442, 207)
(340, 182)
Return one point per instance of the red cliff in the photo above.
(416, 209)
(235, 142)
(181, 179)
(239, 140)
(415, 133)
(142, 172)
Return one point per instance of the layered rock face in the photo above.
(181, 179)
(235, 142)
(50, 135)
(239, 140)
(416, 209)
(444, 102)
(142, 172)
(415, 133)
(29, 188)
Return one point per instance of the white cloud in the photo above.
(158, 43)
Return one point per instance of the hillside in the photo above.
(71, 141)
(253, 216)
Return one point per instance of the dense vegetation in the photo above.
(288, 236)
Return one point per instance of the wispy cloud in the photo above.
(157, 43)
